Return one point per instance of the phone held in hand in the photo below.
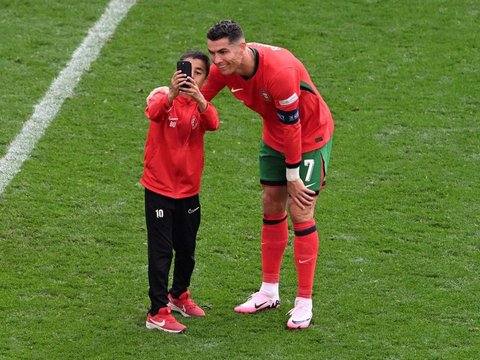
(186, 68)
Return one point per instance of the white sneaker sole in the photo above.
(151, 326)
(178, 309)
(299, 325)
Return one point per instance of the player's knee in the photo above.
(299, 215)
(274, 201)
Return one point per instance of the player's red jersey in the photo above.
(280, 83)
(174, 154)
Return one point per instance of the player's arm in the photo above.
(286, 98)
(209, 118)
(292, 131)
(214, 84)
(285, 90)
(157, 104)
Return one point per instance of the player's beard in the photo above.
(231, 67)
(227, 69)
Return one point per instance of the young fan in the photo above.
(173, 165)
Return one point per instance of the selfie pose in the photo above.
(173, 165)
(294, 154)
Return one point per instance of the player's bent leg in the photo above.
(306, 244)
(274, 241)
(305, 252)
(274, 199)
(274, 235)
(305, 247)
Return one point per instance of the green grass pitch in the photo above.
(398, 271)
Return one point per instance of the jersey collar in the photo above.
(255, 54)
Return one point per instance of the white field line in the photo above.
(61, 88)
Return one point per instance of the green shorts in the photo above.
(313, 167)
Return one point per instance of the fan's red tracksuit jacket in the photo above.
(174, 152)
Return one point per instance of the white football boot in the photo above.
(301, 314)
(258, 301)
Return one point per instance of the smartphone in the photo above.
(186, 68)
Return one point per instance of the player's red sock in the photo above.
(274, 241)
(305, 251)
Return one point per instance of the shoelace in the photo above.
(258, 293)
(169, 317)
(251, 297)
(188, 303)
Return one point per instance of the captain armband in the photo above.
(288, 117)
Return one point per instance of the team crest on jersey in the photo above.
(194, 122)
(265, 96)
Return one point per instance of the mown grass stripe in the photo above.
(61, 88)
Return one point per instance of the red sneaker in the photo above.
(165, 321)
(185, 305)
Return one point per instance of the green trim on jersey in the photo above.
(313, 166)
(307, 87)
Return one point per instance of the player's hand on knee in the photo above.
(299, 194)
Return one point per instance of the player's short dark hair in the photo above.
(225, 29)
(196, 54)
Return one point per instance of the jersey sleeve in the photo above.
(210, 119)
(157, 106)
(214, 84)
(285, 90)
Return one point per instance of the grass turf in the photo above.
(397, 275)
